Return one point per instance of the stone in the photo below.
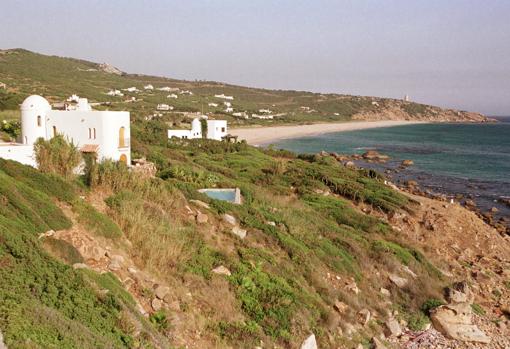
(407, 270)
(2, 344)
(352, 287)
(397, 280)
(378, 344)
(117, 258)
(309, 343)
(271, 223)
(459, 293)
(406, 163)
(385, 292)
(202, 218)
(393, 328)
(350, 164)
(340, 306)
(229, 219)
(241, 233)
(47, 234)
(455, 322)
(132, 270)
(97, 253)
(156, 304)
(114, 265)
(221, 270)
(161, 291)
(80, 266)
(200, 203)
(364, 316)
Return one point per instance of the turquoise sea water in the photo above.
(471, 159)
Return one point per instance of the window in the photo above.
(122, 141)
(94, 133)
(223, 129)
(54, 131)
(123, 158)
(90, 133)
(39, 120)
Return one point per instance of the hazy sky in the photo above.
(453, 53)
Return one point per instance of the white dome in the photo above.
(35, 102)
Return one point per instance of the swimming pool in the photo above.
(232, 195)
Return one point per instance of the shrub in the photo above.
(477, 309)
(94, 220)
(57, 155)
(431, 304)
(159, 319)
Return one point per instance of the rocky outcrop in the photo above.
(110, 69)
(309, 343)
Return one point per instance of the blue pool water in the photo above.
(224, 194)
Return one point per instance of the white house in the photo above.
(131, 89)
(73, 98)
(106, 133)
(148, 87)
(115, 93)
(213, 104)
(216, 129)
(173, 95)
(224, 97)
(164, 107)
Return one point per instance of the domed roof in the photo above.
(35, 102)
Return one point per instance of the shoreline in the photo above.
(264, 135)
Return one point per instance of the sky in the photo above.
(450, 53)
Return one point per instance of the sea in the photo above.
(453, 160)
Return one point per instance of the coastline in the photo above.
(260, 136)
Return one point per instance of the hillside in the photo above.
(56, 78)
(315, 247)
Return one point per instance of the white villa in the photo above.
(224, 97)
(164, 107)
(115, 93)
(216, 129)
(106, 133)
(148, 87)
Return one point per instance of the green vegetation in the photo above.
(477, 309)
(57, 156)
(95, 221)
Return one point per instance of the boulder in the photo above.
(397, 280)
(97, 253)
(80, 266)
(241, 233)
(350, 164)
(364, 316)
(374, 155)
(455, 321)
(229, 219)
(202, 218)
(378, 344)
(2, 344)
(156, 304)
(161, 291)
(406, 163)
(114, 265)
(118, 258)
(385, 292)
(340, 306)
(200, 203)
(459, 293)
(309, 343)
(393, 328)
(221, 270)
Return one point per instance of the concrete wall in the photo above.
(21, 153)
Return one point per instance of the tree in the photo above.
(57, 155)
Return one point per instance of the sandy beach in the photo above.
(266, 135)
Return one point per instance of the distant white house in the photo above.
(224, 97)
(216, 129)
(241, 114)
(407, 98)
(73, 98)
(148, 87)
(169, 89)
(114, 92)
(173, 95)
(131, 89)
(186, 92)
(106, 133)
(164, 107)
(2, 85)
(263, 117)
(213, 104)
(265, 111)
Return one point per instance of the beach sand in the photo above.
(261, 135)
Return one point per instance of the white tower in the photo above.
(196, 128)
(34, 110)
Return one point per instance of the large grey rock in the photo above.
(393, 328)
(161, 291)
(156, 304)
(229, 219)
(397, 280)
(221, 270)
(455, 321)
(202, 218)
(364, 316)
(309, 343)
(240, 233)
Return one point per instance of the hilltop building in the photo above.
(216, 129)
(106, 133)
(407, 98)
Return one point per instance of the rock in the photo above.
(406, 269)
(454, 321)
(364, 316)
(397, 280)
(494, 210)
(202, 218)
(378, 344)
(374, 155)
(200, 203)
(309, 343)
(2, 344)
(80, 266)
(340, 306)
(350, 164)
(406, 163)
(114, 265)
(132, 270)
(47, 234)
(352, 287)
(241, 233)
(97, 253)
(156, 304)
(385, 292)
(229, 219)
(117, 258)
(271, 223)
(393, 328)
(161, 291)
(411, 183)
(459, 293)
(221, 270)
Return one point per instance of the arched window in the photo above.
(123, 158)
(39, 123)
(122, 140)
(54, 131)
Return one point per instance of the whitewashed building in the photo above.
(106, 133)
(223, 96)
(216, 129)
(148, 87)
(165, 107)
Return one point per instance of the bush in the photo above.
(431, 304)
(57, 156)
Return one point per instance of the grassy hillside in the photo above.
(56, 78)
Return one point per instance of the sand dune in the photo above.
(266, 135)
